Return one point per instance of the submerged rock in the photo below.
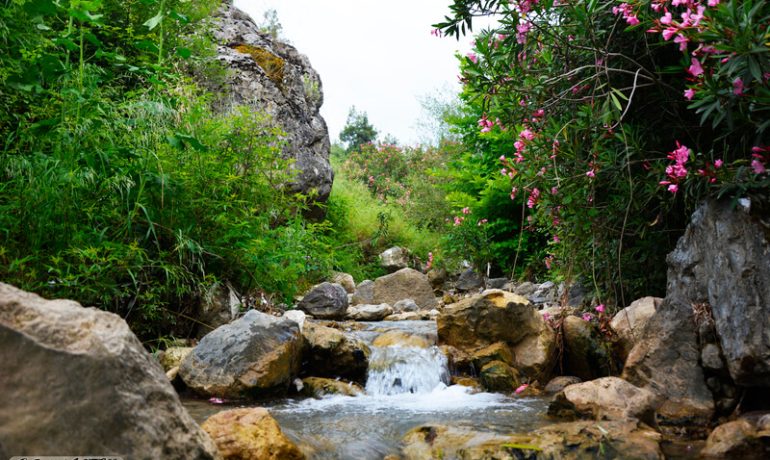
(255, 354)
(325, 301)
(250, 434)
(318, 387)
(331, 353)
(76, 379)
(404, 284)
(430, 442)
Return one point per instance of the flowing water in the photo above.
(406, 387)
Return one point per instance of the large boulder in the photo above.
(486, 318)
(325, 301)
(331, 353)
(394, 258)
(253, 355)
(273, 77)
(345, 280)
(406, 283)
(250, 434)
(535, 357)
(77, 380)
(722, 264)
(665, 361)
(608, 398)
(363, 294)
(629, 323)
(586, 353)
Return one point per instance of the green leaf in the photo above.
(616, 102)
(154, 21)
(184, 52)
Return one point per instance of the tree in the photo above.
(357, 131)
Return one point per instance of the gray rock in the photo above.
(404, 284)
(559, 383)
(525, 289)
(369, 312)
(710, 358)
(219, 306)
(405, 316)
(405, 305)
(469, 280)
(345, 280)
(496, 283)
(437, 277)
(76, 379)
(394, 259)
(275, 78)
(253, 355)
(325, 301)
(364, 293)
(723, 262)
(298, 316)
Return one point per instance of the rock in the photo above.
(219, 305)
(469, 382)
(77, 379)
(405, 305)
(629, 323)
(544, 293)
(710, 358)
(346, 281)
(404, 284)
(250, 434)
(331, 353)
(525, 289)
(535, 357)
(499, 376)
(394, 259)
(318, 387)
(469, 280)
(486, 318)
(298, 316)
(607, 398)
(172, 373)
(274, 78)
(499, 351)
(451, 442)
(432, 314)
(406, 316)
(559, 383)
(255, 354)
(400, 338)
(369, 312)
(325, 301)
(437, 277)
(497, 283)
(172, 357)
(364, 293)
(576, 294)
(665, 361)
(737, 439)
(586, 355)
(721, 266)
(626, 439)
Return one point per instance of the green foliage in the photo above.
(120, 187)
(357, 131)
(589, 109)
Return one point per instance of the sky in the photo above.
(378, 56)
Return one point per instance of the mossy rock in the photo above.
(270, 63)
(499, 376)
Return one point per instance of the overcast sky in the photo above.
(377, 55)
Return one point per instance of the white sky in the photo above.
(378, 55)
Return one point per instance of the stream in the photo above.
(406, 387)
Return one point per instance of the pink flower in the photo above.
(666, 18)
(587, 316)
(482, 222)
(689, 93)
(521, 32)
(738, 86)
(458, 220)
(695, 68)
(591, 173)
(474, 59)
(514, 191)
(466, 210)
(521, 389)
(216, 400)
(632, 20)
(669, 32)
(599, 308)
(673, 188)
(713, 2)
(718, 163)
(554, 191)
(758, 167)
(502, 157)
(527, 134)
(682, 40)
(534, 196)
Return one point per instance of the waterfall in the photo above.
(399, 369)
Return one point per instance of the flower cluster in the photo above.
(677, 172)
